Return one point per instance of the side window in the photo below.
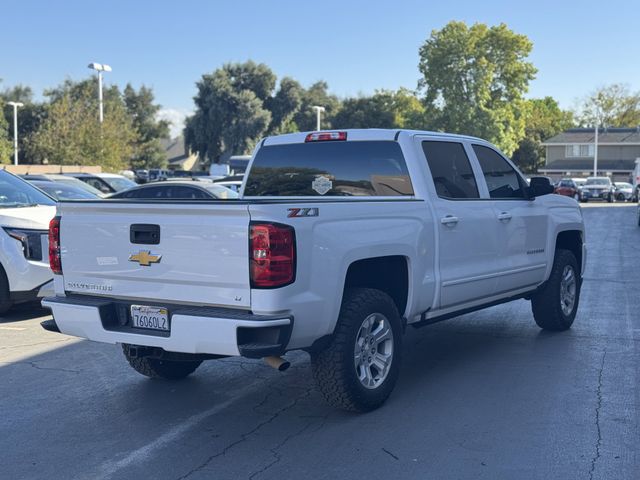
(502, 180)
(451, 170)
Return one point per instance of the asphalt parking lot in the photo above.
(487, 395)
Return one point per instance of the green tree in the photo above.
(284, 105)
(147, 149)
(384, 109)
(71, 133)
(543, 119)
(30, 116)
(6, 148)
(316, 94)
(230, 114)
(613, 105)
(474, 79)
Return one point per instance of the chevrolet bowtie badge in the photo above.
(145, 258)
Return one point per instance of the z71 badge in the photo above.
(303, 212)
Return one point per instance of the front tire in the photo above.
(359, 368)
(555, 305)
(156, 368)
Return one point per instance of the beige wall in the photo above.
(605, 152)
(43, 169)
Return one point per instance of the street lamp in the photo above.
(318, 110)
(100, 67)
(15, 106)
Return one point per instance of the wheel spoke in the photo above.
(381, 362)
(381, 334)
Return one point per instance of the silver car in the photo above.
(624, 191)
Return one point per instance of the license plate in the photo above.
(150, 318)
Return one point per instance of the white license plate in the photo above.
(151, 318)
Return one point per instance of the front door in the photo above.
(520, 222)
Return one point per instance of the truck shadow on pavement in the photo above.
(82, 406)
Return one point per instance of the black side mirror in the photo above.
(539, 186)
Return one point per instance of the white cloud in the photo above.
(176, 117)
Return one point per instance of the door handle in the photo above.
(504, 216)
(449, 220)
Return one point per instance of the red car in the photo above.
(568, 188)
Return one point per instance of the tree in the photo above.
(6, 148)
(316, 94)
(147, 149)
(230, 115)
(474, 79)
(613, 105)
(284, 105)
(30, 116)
(543, 120)
(71, 133)
(384, 109)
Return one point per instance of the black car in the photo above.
(178, 190)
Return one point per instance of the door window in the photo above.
(502, 179)
(451, 170)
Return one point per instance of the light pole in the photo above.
(15, 106)
(100, 67)
(595, 151)
(318, 110)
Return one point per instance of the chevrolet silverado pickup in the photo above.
(337, 242)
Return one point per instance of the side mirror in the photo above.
(539, 186)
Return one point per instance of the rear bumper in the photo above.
(202, 330)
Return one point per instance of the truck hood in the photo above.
(596, 187)
(36, 218)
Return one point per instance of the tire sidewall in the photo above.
(571, 261)
(371, 398)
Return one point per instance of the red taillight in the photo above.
(54, 246)
(326, 136)
(272, 253)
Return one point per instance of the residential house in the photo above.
(178, 156)
(571, 153)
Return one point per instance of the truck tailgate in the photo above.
(201, 256)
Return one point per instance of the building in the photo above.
(571, 153)
(178, 158)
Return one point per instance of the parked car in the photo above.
(340, 241)
(25, 213)
(233, 182)
(62, 191)
(580, 182)
(178, 190)
(105, 182)
(568, 188)
(599, 188)
(624, 191)
(142, 176)
(65, 179)
(158, 174)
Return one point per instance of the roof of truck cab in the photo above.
(360, 134)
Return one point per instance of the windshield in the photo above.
(15, 193)
(61, 191)
(74, 182)
(598, 181)
(119, 183)
(219, 191)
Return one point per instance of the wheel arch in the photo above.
(572, 240)
(389, 274)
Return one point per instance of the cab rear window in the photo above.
(357, 168)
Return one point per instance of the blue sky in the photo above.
(356, 46)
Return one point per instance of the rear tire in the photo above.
(555, 305)
(155, 368)
(5, 294)
(359, 368)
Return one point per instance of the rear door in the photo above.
(521, 223)
(172, 252)
(467, 236)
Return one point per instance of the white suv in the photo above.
(25, 213)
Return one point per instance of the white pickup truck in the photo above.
(337, 242)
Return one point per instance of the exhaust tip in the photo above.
(278, 363)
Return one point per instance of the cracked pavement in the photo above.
(487, 395)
